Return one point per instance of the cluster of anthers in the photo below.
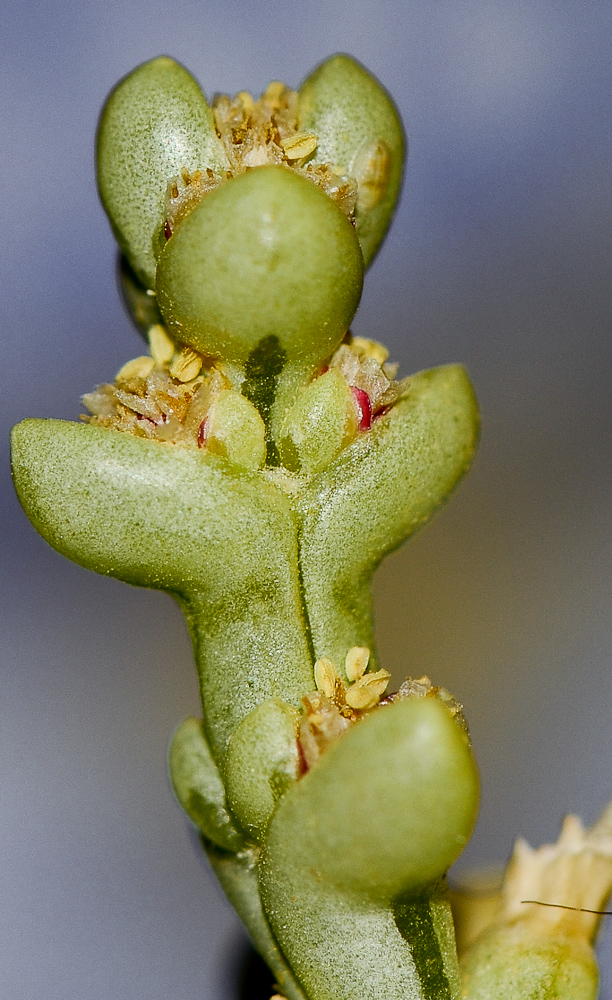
(256, 134)
(169, 394)
(164, 395)
(338, 703)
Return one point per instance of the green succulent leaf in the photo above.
(360, 132)
(387, 809)
(220, 539)
(377, 493)
(155, 123)
(380, 817)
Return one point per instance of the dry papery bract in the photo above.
(337, 703)
(556, 889)
(166, 396)
(572, 878)
(257, 134)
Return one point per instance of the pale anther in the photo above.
(186, 365)
(366, 692)
(295, 147)
(325, 677)
(356, 662)
(371, 349)
(136, 368)
(371, 168)
(160, 345)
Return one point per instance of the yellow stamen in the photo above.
(302, 144)
(356, 662)
(366, 692)
(325, 677)
(160, 344)
(186, 365)
(136, 368)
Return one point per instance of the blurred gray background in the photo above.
(499, 257)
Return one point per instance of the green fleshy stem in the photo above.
(267, 581)
(264, 276)
(252, 569)
(238, 876)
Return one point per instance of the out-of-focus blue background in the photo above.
(499, 257)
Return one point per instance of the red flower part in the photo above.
(302, 762)
(156, 423)
(364, 408)
(203, 433)
(381, 413)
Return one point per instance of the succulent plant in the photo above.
(258, 463)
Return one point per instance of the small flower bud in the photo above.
(322, 421)
(234, 429)
(262, 762)
(514, 963)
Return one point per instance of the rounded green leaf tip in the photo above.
(360, 133)
(155, 123)
(387, 809)
(265, 258)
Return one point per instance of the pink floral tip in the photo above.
(162, 419)
(364, 408)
